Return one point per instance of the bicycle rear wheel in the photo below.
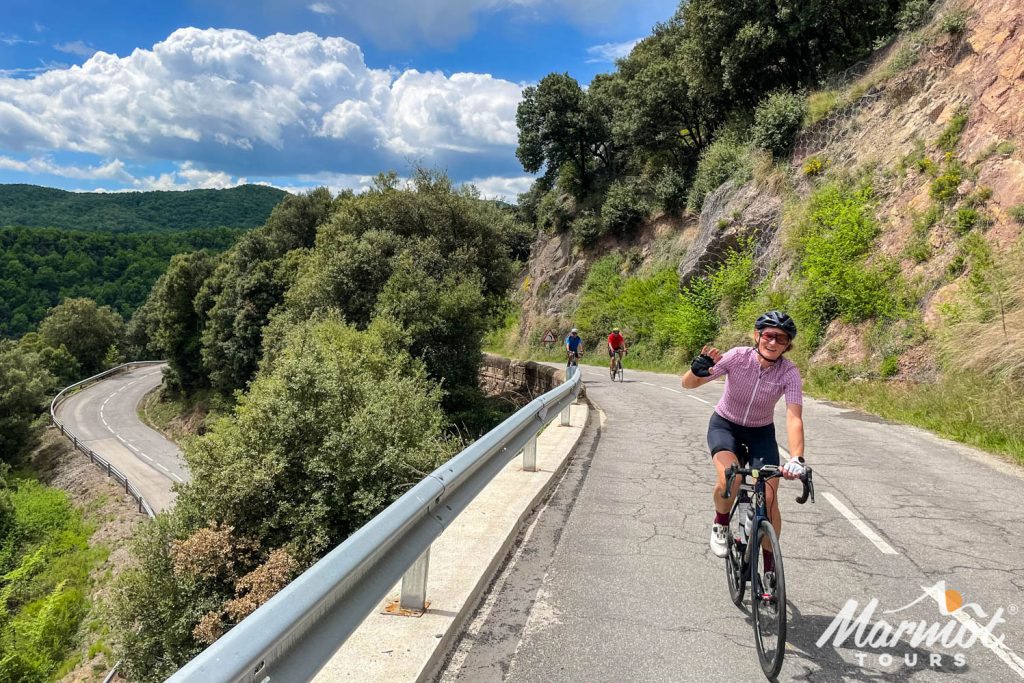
(768, 602)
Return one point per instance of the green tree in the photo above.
(559, 124)
(178, 324)
(248, 283)
(431, 257)
(86, 330)
(25, 386)
(655, 115)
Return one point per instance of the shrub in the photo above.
(814, 166)
(889, 367)
(670, 190)
(966, 220)
(777, 120)
(944, 187)
(1017, 213)
(819, 105)
(553, 211)
(903, 59)
(624, 206)
(834, 239)
(950, 137)
(586, 229)
(979, 197)
(955, 22)
(727, 158)
(1001, 148)
(919, 248)
(912, 14)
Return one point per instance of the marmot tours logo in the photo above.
(959, 627)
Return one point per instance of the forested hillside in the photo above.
(246, 206)
(40, 267)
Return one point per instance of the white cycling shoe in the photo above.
(718, 542)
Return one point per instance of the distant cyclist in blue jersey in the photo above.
(574, 345)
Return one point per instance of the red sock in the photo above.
(722, 518)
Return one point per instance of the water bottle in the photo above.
(748, 523)
(743, 517)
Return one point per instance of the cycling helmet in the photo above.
(615, 329)
(574, 331)
(777, 319)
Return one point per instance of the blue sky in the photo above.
(118, 95)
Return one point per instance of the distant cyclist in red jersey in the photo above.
(616, 344)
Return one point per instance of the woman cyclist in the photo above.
(743, 422)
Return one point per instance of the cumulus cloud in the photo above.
(111, 170)
(188, 177)
(609, 52)
(273, 106)
(506, 189)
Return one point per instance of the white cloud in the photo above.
(322, 8)
(609, 52)
(274, 106)
(111, 170)
(188, 177)
(506, 189)
(76, 47)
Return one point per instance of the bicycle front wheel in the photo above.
(768, 601)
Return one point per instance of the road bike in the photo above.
(572, 362)
(616, 370)
(750, 529)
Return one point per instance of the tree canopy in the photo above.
(246, 206)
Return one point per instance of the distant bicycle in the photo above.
(749, 530)
(616, 371)
(572, 363)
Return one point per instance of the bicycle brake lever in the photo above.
(730, 474)
(808, 483)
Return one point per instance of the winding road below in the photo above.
(105, 417)
(613, 580)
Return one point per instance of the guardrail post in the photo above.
(414, 584)
(530, 455)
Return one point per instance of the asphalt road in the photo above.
(614, 580)
(104, 416)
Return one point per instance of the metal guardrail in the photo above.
(95, 457)
(292, 635)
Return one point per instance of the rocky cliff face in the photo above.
(891, 113)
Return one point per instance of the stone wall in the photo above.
(520, 380)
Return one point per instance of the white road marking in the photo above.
(145, 456)
(674, 391)
(177, 478)
(132, 447)
(860, 525)
(648, 384)
(698, 398)
(1013, 660)
(163, 468)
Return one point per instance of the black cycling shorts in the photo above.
(753, 446)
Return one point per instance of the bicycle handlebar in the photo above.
(767, 473)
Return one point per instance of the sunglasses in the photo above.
(776, 338)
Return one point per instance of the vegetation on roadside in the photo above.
(45, 565)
